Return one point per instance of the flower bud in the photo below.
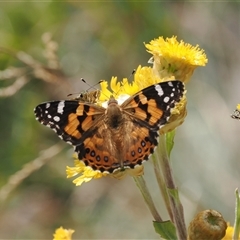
(208, 224)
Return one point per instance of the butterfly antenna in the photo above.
(91, 86)
(133, 72)
(129, 77)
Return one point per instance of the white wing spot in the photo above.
(166, 99)
(49, 116)
(159, 90)
(170, 84)
(56, 118)
(60, 107)
(48, 105)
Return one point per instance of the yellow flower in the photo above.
(63, 234)
(144, 77)
(229, 233)
(117, 89)
(87, 173)
(175, 59)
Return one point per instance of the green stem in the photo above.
(176, 206)
(162, 185)
(237, 217)
(147, 197)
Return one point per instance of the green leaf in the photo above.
(170, 141)
(174, 193)
(165, 229)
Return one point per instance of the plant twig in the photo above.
(175, 203)
(162, 185)
(16, 86)
(147, 197)
(28, 169)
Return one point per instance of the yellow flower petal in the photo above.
(229, 233)
(63, 234)
(144, 77)
(129, 88)
(87, 173)
(117, 89)
(105, 93)
(238, 107)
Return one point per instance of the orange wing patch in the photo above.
(95, 153)
(72, 126)
(143, 144)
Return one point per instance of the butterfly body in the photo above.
(119, 136)
(90, 97)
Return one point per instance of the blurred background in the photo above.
(96, 41)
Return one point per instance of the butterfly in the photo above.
(118, 136)
(236, 114)
(88, 96)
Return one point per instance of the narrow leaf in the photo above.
(170, 141)
(165, 229)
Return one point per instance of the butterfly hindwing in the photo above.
(101, 151)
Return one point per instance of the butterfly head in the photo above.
(112, 101)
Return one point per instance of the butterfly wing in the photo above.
(81, 125)
(100, 152)
(148, 111)
(152, 106)
(70, 119)
(96, 144)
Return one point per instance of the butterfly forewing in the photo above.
(69, 119)
(152, 106)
